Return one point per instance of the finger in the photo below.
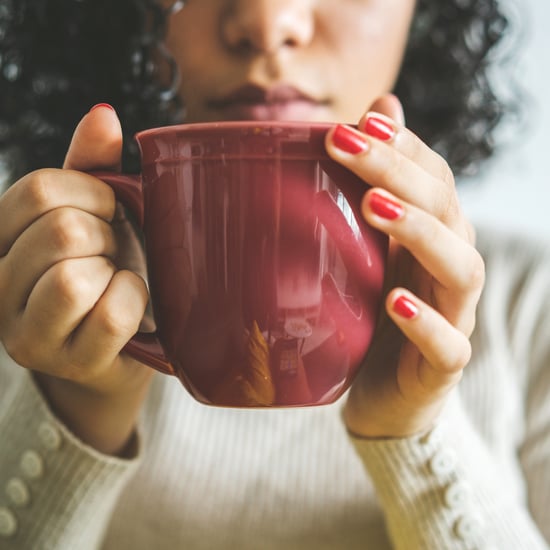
(97, 141)
(57, 305)
(114, 319)
(445, 349)
(381, 165)
(58, 235)
(409, 144)
(452, 261)
(46, 190)
(390, 106)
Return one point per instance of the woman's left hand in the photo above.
(434, 276)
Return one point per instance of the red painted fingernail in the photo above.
(379, 128)
(384, 207)
(102, 105)
(349, 140)
(404, 307)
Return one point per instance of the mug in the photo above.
(265, 281)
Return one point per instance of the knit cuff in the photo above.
(57, 491)
(442, 489)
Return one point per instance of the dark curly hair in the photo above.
(59, 57)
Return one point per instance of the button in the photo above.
(49, 436)
(433, 437)
(32, 464)
(8, 523)
(457, 495)
(468, 529)
(443, 463)
(17, 491)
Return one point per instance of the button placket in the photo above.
(8, 522)
(443, 463)
(49, 436)
(18, 492)
(468, 529)
(456, 496)
(32, 465)
(434, 437)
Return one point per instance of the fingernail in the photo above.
(404, 307)
(384, 207)
(102, 105)
(379, 128)
(348, 140)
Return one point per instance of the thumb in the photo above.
(390, 106)
(96, 142)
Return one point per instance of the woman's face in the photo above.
(315, 60)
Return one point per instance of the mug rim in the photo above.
(234, 125)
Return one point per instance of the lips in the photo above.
(281, 102)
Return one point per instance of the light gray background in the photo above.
(514, 191)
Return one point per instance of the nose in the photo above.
(266, 26)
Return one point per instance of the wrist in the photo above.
(387, 421)
(104, 421)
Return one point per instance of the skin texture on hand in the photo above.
(434, 281)
(68, 306)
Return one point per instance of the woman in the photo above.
(101, 455)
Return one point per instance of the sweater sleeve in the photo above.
(448, 489)
(55, 492)
(443, 490)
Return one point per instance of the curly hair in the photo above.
(59, 57)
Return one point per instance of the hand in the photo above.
(434, 278)
(67, 310)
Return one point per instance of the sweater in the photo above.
(214, 478)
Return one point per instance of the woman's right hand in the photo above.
(68, 308)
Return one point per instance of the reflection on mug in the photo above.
(250, 383)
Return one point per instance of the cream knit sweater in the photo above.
(208, 478)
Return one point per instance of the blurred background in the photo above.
(513, 190)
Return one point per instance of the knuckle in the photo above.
(447, 174)
(71, 286)
(474, 274)
(37, 191)
(117, 323)
(69, 233)
(462, 356)
(448, 204)
(395, 169)
(19, 348)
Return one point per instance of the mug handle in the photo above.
(143, 346)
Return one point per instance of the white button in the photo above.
(468, 529)
(457, 495)
(433, 437)
(8, 523)
(17, 491)
(50, 436)
(32, 464)
(443, 463)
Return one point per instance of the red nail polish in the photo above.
(348, 140)
(102, 105)
(378, 128)
(384, 207)
(404, 307)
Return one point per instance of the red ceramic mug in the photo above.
(265, 281)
